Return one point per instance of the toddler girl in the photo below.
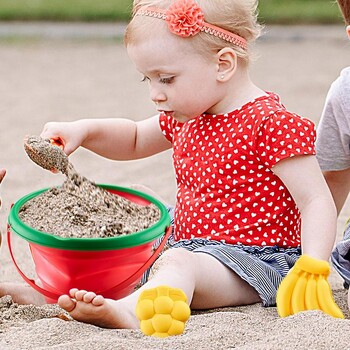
(251, 197)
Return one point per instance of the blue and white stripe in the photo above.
(341, 256)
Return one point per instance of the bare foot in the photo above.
(21, 293)
(95, 309)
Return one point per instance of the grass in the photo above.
(65, 10)
(271, 11)
(300, 11)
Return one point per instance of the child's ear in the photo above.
(227, 63)
(348, 31)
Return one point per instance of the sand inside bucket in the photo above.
(79, 208)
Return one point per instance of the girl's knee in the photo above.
(176, 257)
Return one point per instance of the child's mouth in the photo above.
(168, 113)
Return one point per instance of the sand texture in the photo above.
(67, 79)
(80, 209)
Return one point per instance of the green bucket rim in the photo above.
(91, 244)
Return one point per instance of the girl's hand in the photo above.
(68, 135)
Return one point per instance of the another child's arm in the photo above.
(339, 184)
(118, 139)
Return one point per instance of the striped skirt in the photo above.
(341, 256)
(262, 267)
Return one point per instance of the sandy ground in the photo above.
(58, 77)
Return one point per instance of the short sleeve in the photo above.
(167, 126)
(333, 131)
(284, 135)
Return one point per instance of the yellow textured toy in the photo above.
(162, 311)
(306, 288)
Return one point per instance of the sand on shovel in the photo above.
(79, 208)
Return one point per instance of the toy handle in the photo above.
(121, 285)
(31, 282)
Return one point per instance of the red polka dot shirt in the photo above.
(226, 188)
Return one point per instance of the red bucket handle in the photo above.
(119, 286)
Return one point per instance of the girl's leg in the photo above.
(205, 281)
(218, 286)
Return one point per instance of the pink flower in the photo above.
(185, 18)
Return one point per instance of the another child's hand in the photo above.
(306, 287)
(69, 135)
(2, 175)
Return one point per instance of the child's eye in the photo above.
(145, 79)
(168, 80)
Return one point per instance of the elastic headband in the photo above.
(185, 18)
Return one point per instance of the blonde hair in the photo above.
(236, 16)
(344, 6)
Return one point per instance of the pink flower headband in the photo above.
(185, 18)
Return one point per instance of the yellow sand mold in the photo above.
(162, 311)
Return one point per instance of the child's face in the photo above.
(182, 83)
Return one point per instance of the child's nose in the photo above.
(157, 96)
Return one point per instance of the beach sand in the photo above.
(67, 79)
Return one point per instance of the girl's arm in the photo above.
(118, 139)
(305, 182)
(306, 286)
(339, 184)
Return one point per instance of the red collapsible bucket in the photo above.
(109, 266)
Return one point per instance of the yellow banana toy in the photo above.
(162, 311)
(284, 294)
(325, 298)
(311, 302)
(298, 295)
(306, 288)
